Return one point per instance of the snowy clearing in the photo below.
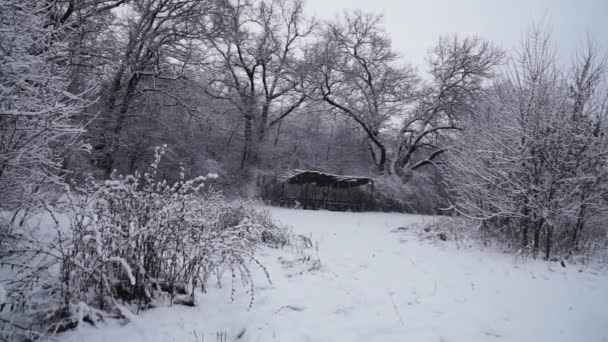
(378, 285)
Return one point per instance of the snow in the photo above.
(375, 284)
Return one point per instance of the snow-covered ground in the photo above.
(378, 285)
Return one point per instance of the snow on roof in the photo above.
(326, 179)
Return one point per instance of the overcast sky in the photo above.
(415, 25)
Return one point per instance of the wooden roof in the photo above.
(326, 179)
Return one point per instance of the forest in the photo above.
(143, 129)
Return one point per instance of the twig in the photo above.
(396, 309)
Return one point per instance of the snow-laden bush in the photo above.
(132, 243)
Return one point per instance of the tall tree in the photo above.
(533, 158)
(156, 41)
(458, 69)
(358, 74)
(255, 65)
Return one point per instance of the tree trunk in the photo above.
(524, 235)
(526, 225)
(580, 223)
(536, 239)
(382, 160)
(548, 241)
(249, 158)
(107, 164)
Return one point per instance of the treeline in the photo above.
(244, 88)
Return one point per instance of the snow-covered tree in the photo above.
(532, 160)
(152, 47)
(357, 74)
(256, 66)
(36, 109)
(458, 69)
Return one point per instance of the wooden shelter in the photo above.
(317, 190)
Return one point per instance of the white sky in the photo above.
(416, 25)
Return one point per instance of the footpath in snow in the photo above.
(377, 285)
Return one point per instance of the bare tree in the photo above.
(357, 73)
(255, 65)
(156, 43)
(586, 147)
(458, 68)
(78, 12)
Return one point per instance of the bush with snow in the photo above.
(132, 243)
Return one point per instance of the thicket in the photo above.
(124, 245)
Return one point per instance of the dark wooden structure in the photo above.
(317, 190)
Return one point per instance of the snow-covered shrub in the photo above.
(272, 234)
(133, 243)
(460, 232)
(390, 194)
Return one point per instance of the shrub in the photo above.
(132, 243)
